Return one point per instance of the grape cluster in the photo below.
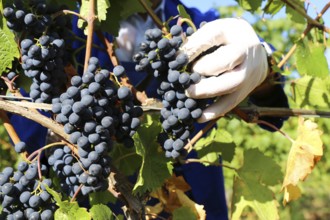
(23, 195)
(159, 55)
(43, 62)
(94, 112)
(43, 46)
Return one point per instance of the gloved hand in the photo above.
(233, 70)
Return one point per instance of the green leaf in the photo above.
(57, 196)
(126, 159)
(293, 14)
(71, 211)
(247, 193)
(311, 59)
(251, 185)
(183, 213)
(101, 212)
(218, 142)
(119, 11)
(182, 12)
(311, 92)
(9, 49)
(103, 197)
(250, 5)
(67, 210)
(273, 7)
(263, 168)
(155, 166)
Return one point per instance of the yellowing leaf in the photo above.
(173, 197)
(153, 211)
(291, 193)
(187, 202)
(303, 155)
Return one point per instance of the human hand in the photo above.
(233, 70)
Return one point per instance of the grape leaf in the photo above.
(127, 161)
(8, 50)
(119, 11)
(293, 14)
(311, 92)
(71, 211)
(183, 213)
(100, 212)
(218, 142)
(104, 197)
(250, 5)
(251, 185)
(246, 192)
(310, 59)
(183, 13)
(305, 152)
(67, 210)
(56, 196)
(155, 166)
(273, 7)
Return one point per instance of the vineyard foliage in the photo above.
(268, 175)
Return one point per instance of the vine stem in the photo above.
(200, 134)
(90, 30)
(76, 193)
(192, 160)
(67, 12)
(39, 166)
(275, 128)
(303, 35)
(41, 119)
(9, 127)
(42, 149)
(311, 21)
(256, 112)
(152, 14)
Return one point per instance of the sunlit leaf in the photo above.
(305, 151)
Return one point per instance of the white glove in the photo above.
(233, 70)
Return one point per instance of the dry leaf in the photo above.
(303, 155)
(153, 211)
(187, 202)
(172, 196)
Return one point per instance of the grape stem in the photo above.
(39, 151)
(76, 193)
(39, 166)
(188, 21)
